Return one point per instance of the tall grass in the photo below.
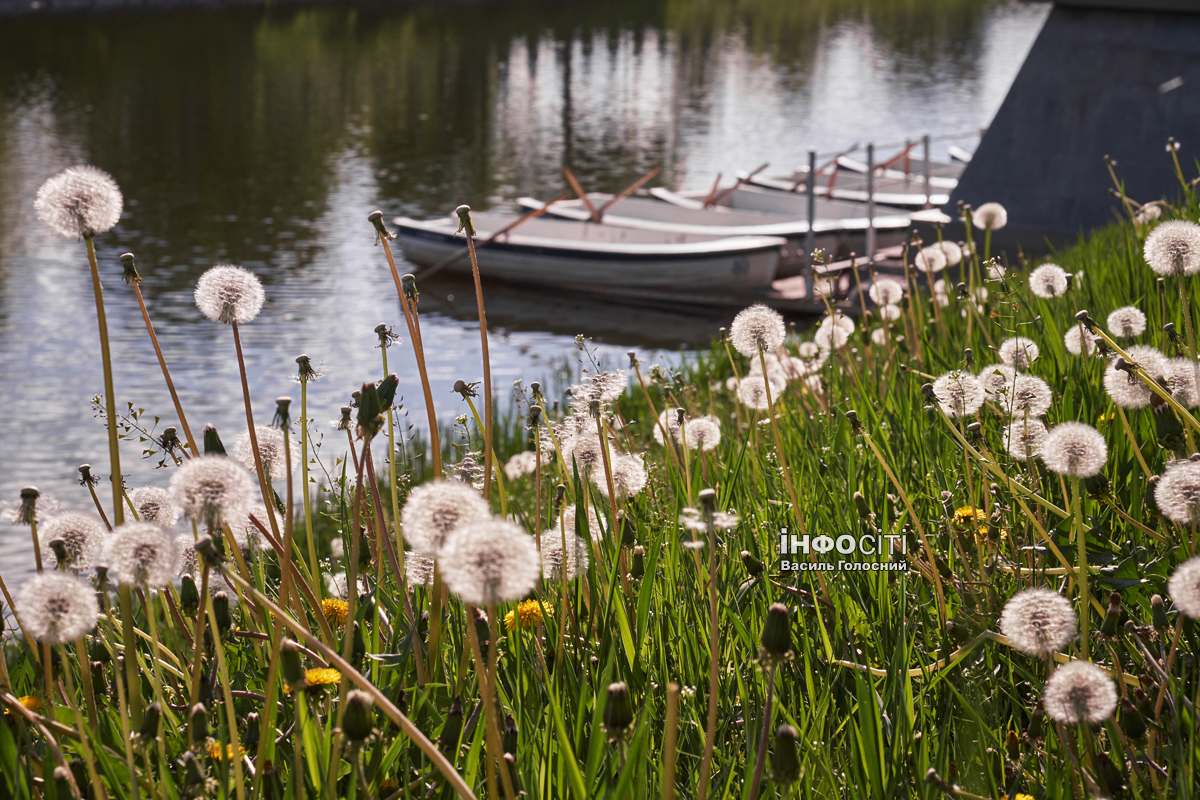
(898, 684)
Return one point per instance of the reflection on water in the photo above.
(264, 137)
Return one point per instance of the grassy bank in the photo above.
(658, 647)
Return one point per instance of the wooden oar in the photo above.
(582, 194)
(633, 187)
(712, 193)
(737, 185)
(450, 259)
(804, 181)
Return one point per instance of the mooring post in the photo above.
(925, 142)
(810, 236)
(870, 201)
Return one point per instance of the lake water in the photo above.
(264, 138)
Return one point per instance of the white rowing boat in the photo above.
(601, 258)
(905, 192)
(839, 228)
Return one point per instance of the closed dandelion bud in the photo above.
(97, 678)
(209, 551)
(409, 282)
(198, 723)
(638, 569)
(253, 730)
(482, 632)
(1132, 721)
(79, 772)
(1149, 505)
(59, 548)
(1112, 778)
(785, 760)
(193, 775)
(212, 442)
(777, 634)
(860, 504)
(62, 786)
(150, 719)
(509, 740)
(708, 500)
(357, 723)
(189, 596)
(358, 649)
(370, 411)
(1012, 745)
(1112, 616)
(86, 478)
(290, 666)
(1143, 702)
(1159, 612)
(452, 729)
(387, 390)
(1097, 486)
(618, 711)
(753, 566)
(1037, 723)
(220, 603)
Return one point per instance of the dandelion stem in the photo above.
(314, 566)
(1081, 571)
(714, 631)
(760, 759)
(231, 720)
(487, 364)
(110, 401)
(162, 362)
(670, 736)
(263, 486)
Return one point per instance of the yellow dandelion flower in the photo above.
(1023, 796)
(318, 678)
(32, 703)
(970, 516)
(335, 610)
(214, 751)
(529, 612)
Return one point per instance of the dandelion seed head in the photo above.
(1018, 352)
(155, 504)
(753, 393)
(1180, 375)
(1125, 389)
(1147, 214)
(211, 489)
(808, 351)
(1148, 358)
(1178, 492)
(703, 434)
(1023, 440)
(959, 393)
(82, 536)
(338, 584)
(628, 476)
(80, 202)
(831, 337)
(1038, 622)
(757, 329)
(270, 449)
(520, 465)
(668, 419)
(1079, 341)
(1173, 248)
(246, 534)
(885, 292)
(1048, 281)
(1184, 588)
(57, 607)
(951, 250)
(1074, 449)
(1126, 322)
(142, 554)
(879, 337)
(568, 521)
(555, 559)
(1027, 393)
(418, 568)
(490, 561)
(889, 313)
(605, 388)
(990, 215)
(1080, 692)
(586, 446)
(930, 260)
(227, 293)
(435, 510)
(996, 380)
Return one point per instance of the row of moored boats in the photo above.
(737, 239)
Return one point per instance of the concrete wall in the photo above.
(1096, 82)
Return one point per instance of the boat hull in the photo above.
(732, 264)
